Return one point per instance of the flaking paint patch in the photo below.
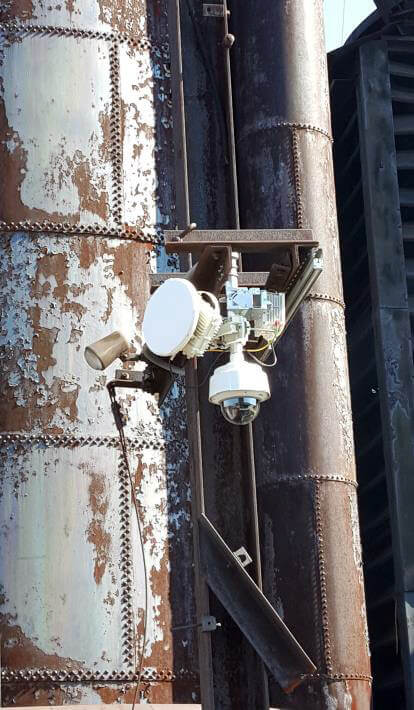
(98, 537)
(341, 382)
(49, 577)
(357, 552)
(18, 651)
(60, 176)
(46, 293)
(337, 696)
(139, 141)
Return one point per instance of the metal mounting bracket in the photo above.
(209, 623)
(243, 556)
(213, 10)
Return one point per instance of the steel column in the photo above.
(238, 679)
(306, 471)
(391, 320)
(86, 151)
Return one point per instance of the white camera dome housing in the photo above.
(238, 388)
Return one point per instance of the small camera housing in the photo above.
(239, 387)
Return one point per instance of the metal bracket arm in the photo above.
(253, 240)
(251, 611)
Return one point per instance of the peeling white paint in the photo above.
(139, 137)
(49, 574)
(48, 91)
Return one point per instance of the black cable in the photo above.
(147, 354)
(120, 427)
(261, 362)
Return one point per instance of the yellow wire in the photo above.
(258, 350)
(246, 350)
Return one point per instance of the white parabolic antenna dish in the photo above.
(171, 317)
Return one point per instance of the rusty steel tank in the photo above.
(85, 140)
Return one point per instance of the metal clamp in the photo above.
(213, 10)
(243, 556)
(207, 623)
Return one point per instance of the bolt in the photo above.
(229, 40)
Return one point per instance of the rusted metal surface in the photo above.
(251, 611)
(245, 278)
(238, 675)
(149, 706)
(306, 472)
(372, 134)
(85, 135)
(254, 239)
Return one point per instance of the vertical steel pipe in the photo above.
(85, 140)
(312, 565)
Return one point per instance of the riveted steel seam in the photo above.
(127, 616)
(296, 172)
(17, 29)
(115, 131)
(79, 230)
(302, 127)
(75, 441)
(322, 578)
(326, 297)
(72, 676)
(315, 477)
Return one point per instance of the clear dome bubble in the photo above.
(240, 410)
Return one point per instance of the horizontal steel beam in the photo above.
(245, 278)
(253, 240)
(251, 611)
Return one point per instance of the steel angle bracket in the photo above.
(251, 611)
(244, 240)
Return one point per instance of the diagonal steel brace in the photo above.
(251, 611)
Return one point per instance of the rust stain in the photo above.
(52, 265)
(96, 533)
(19, 651)
(66, 401)
(70, 6)
(124, 17)
(105, 147)
(14, 167)
(108, 312)
(90, 199)
(161, 651)
(19, 9)
(42, 694)
(109, 695)
(87, 253)
(135, 282)
(43, 347)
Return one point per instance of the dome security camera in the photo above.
(239, 387)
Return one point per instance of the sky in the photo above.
(341, 17)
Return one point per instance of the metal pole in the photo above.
(192, 385)
(306, 472)
(247, 433)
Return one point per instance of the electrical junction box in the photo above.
(265, 310)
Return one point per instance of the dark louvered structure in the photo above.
(372, 96)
